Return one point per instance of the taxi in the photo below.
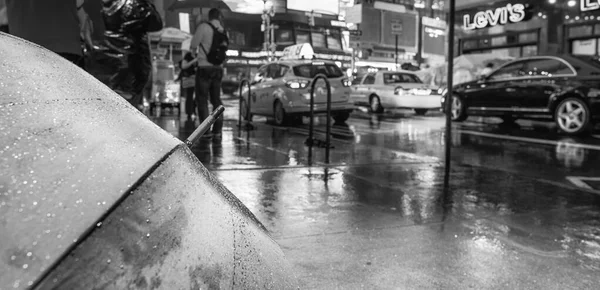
(395, 89)
(281, 89)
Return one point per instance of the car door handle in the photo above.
(510, 90)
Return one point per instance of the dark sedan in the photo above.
(564, 89)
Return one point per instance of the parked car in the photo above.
(394, 89)
(561, 88)
(281, 90)
(95, 196)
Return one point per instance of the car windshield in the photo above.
(311, 70)
(393, 78)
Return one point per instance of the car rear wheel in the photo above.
(341, 117)
(279, 115)
(421, 112)
(375, 104)
(245, 115)
(572, 116)
(458, 112)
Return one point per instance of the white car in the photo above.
(394, 89)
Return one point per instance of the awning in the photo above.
(187, 4)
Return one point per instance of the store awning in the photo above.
(187, 4)
(170, 34)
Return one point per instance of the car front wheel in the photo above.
(457, 111)
(572, 116)
(279, 115)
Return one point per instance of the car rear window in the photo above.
(311, 70)
(392, 78)
(592, 60)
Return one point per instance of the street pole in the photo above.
(419, 37)
(448, 103)
(396, 53)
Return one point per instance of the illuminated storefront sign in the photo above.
(589, 5)
(502, 15)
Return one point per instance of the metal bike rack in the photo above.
(248, 124)
(311, 141)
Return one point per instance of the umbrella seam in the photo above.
(86, 234)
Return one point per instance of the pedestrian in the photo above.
(211, 42)
(58, 25)
(127, 26)
(188, 81)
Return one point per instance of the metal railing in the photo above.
(311, 141)
(248, 126)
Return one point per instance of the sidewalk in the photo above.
(376, 218)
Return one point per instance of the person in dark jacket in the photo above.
(127, 25)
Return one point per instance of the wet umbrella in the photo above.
(187, 4)
(94, 195)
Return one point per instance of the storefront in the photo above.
(521, 28)
(582, 30)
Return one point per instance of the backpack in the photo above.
(218, 50)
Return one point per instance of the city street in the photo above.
(522, 212)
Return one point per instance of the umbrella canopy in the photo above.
(170, 34)
(95, 196)
(186, 4)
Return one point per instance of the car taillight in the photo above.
(346, 82)
(297, 84)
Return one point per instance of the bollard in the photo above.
(248, 125)
(311, 141)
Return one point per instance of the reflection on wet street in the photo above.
(522, 210)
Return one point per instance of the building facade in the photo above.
(519, 28)
(389, 33)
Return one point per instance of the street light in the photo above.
(572, 3)
(268, 28)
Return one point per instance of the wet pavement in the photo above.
(522, 210)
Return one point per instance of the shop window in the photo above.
(577, 31)
(469, 44)
(333, 41)
(497, 41)
(507, 52)
(318, 39)
(302, 36)
(584, 47)
(546, 67)
(512, 39)
(528, 37)
(597, 29)
(530, 50)
(284, 37)
(484, 42)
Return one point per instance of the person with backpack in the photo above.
(211, 43)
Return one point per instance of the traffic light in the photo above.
(311, 20)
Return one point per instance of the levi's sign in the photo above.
(588, 5)
(502, 15)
